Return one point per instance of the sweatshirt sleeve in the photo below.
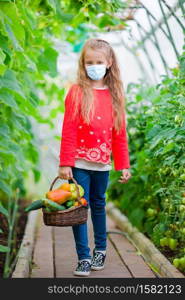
(120, 151)
(69, 133)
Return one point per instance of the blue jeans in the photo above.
(95, 184)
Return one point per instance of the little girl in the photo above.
(94, 129)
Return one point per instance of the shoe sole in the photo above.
(97, 268)
(81, 274)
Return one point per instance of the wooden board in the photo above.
(129, 254)
(43, 253)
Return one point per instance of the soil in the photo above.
(169, 254)
(18, 233)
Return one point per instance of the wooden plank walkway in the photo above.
(55, 254)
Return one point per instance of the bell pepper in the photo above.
(65, 186)
(73, 191)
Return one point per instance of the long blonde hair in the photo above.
(112, 79)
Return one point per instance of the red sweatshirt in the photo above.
(96, 141)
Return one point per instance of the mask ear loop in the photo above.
(107, 70)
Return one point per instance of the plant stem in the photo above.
(12, 218)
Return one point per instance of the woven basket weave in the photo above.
(68, 217)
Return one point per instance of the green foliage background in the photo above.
(27, 59)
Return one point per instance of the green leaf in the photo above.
(13, 38)
(78, 19)
(107, 20)
(30, 18)
(8, 156)
(1, 231)
(4, 249)
(20, 125)
(137, 216)
(48, 61)
(57, 137)
(9, 147)
(182, 129)
(4, 211)
(8, 98)
(3, 68)
(37, 174)
(32, 154)
(12, 25)
(52, 4)
(169, 147)
(2, 56)
(155, 142)
(153, 131)
(9, 81)
(4, 130)
(66, 17)
(4, 44)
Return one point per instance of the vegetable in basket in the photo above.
(83, 201)
(53, 206)
(59, 196)
(73, 191)
(69, 203)
(66, 194)
(65, 186)
(66, 191)
(34, 205)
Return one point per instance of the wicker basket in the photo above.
(68, 217)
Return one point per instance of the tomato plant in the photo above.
(153, 199)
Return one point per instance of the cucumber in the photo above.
(53, 206)
(34, 205)
(47, 209)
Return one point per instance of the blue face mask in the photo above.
(96, 72)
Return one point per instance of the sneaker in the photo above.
(98, 260)
(83, 268)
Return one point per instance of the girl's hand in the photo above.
(125, 176)
(65, 172)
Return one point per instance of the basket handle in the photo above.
(75, 182)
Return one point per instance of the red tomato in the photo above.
(83, 201)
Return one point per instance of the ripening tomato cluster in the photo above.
(171, 235)
(179, 263)
(175, 236)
